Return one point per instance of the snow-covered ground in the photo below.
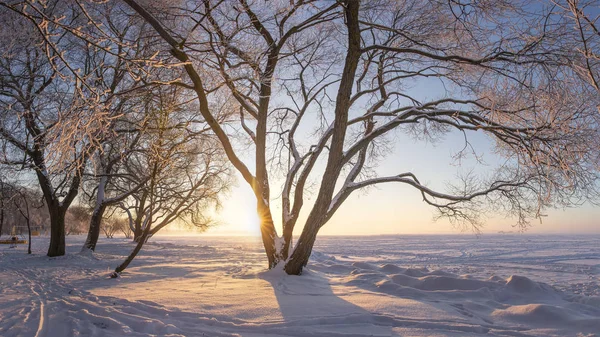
(498, 285)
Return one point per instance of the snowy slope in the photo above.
(499, 285)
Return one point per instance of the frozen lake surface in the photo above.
(454, 285)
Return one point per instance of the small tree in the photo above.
(76, 219)
(21, 203)
(188, 172)
(112, 226)
(125, 229)
(20, 199)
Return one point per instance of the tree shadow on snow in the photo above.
(309, 303)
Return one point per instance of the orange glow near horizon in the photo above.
(391, 210)
(399, 209)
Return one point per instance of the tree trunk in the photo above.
(317, 216)
(29, 232)
(1, 218)
(269, 235)
(268, 238)
(301, 253)
(139, 216)
(134, 253)
(57, 231)
(94, 231)
(56, 209)
(137, 233)
(96, 220)
(144, 236)
(287, 242)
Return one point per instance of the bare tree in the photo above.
(498, 79)
(258, 182)
(188, 172)
(20, 199)
(52, 117)
(125, 228)
(20, 203)
(196, 172)
(112, 226)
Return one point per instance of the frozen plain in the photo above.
(455, 285)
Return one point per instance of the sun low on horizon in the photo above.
(397, 209)
(394, 210)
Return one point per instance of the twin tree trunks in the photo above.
(318, 215)
(276, 250)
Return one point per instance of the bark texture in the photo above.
(317, 216)
(57, 231)
(94, 230)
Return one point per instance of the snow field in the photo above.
(494, 285)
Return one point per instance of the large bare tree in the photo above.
(348, 65)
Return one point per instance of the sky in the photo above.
(399, 209)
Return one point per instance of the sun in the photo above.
(238, 215)
(251, 222)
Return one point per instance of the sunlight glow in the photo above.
(238, 215)
(251, 223)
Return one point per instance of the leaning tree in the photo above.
(186, 169)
